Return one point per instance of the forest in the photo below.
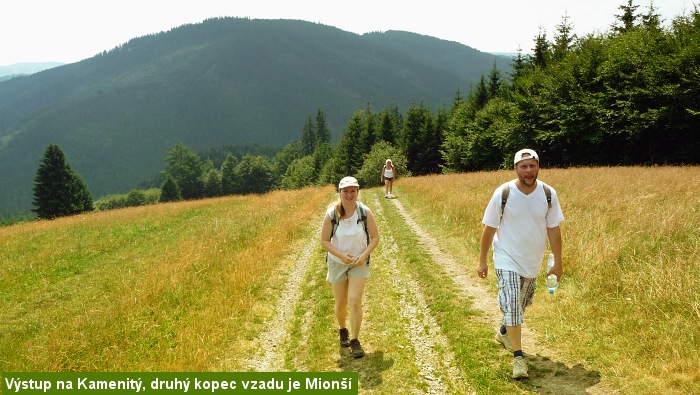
(628, 96)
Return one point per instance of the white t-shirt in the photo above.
(521, 236)
(350, 235)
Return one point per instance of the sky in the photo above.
(68, 31)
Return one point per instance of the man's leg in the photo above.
(515, 293)
(514, 337)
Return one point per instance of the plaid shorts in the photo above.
(515, 293)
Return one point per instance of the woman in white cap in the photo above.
(349, 234)
(388, 175)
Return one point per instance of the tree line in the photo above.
(625, 97)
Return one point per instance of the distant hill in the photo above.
(21, 69)
(222, 81)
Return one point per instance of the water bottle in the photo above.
(552, 282)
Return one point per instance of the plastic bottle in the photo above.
(552, 281)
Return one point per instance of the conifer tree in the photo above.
(349, 150)
(212, 183)
(229, 175)
(170, 191)
(386, 128)
(495, 82)
(563, 39)
(308, 137)
(540, 57)
(628, 17)
(323, 134)
(58, 190)
(368, 136)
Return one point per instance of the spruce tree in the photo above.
(230, 181)
(58, 190)
(308, 137)
(323, 134)
(170, 191)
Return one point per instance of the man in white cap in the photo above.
(521, 216)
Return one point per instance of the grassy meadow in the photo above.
(628, 303)
(170, 287)
(189, 286)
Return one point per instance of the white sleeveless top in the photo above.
(388, 172)
(349, 236)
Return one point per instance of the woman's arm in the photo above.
(373, 237)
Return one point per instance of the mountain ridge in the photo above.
(222, 81)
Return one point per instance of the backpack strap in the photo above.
(548, 194)
(334, 222)
(362, 216)
(504, 197)
(506, 191)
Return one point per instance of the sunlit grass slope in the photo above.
(188, 286)
(629, 303)
(171, 287)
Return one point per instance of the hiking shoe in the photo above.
(503, 339)
(519, 368)
(344, 337)
(356, 349)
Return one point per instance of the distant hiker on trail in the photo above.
(388, 175)
(522, 215)
(349, 234)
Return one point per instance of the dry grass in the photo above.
(628, 304)
(187, 286)
(160, 288)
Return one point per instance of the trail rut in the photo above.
(426, 335)
(270, 356)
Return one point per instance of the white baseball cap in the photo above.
(348, 182)
(525, 154)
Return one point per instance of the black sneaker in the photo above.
(356, 349)
(344, 337)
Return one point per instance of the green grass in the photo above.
(190, 286)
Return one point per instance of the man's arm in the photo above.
(484, 247)
(555, 243)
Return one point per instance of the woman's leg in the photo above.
(390, 186)
(340, 294)
(356, 289)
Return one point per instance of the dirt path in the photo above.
(270, 355)
(565, 377)
(551, 372)
(426, 335)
